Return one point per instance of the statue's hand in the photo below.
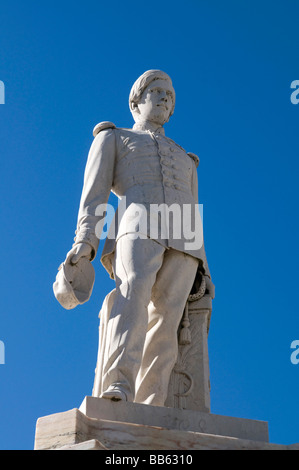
(210, 287)
(78, 251)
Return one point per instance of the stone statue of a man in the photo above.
(153, 273)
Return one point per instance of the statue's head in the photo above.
(152, 97)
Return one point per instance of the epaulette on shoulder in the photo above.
(101, 126)
(194, 157)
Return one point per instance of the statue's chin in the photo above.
(155, 122)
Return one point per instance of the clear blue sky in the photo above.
(67, 66)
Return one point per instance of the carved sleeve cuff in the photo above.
(89, 238)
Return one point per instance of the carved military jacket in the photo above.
(152, 174)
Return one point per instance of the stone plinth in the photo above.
(175, 419)
(189, 385)
(103, 425)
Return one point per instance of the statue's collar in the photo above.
(148, 126)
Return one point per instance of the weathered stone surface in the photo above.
(179, 420)
(189, 385)
(92, 444)
(74, 431)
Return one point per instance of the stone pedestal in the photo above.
(189, 385)
(100, 424)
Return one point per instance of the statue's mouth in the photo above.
(163, 105)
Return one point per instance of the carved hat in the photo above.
(74, 283)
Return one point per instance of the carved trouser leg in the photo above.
(169, 295)
(136, 265)
(152, 286)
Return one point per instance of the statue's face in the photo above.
(155, 103)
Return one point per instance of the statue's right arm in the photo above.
(98, 181)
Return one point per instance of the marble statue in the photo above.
(154, 270)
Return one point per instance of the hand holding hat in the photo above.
(78, 251)
(75, 278)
